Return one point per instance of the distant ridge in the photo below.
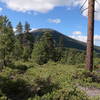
(67, 41)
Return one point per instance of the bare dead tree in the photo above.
(90, 38)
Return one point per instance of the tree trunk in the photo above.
(90, 38)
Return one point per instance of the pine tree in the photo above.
(60, 49)
(26, 40)
(27, 27)
(6, 41)
(26, 53)
(44, 50)
(19, 28)
(18, 50)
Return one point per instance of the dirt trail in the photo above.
(91, 91)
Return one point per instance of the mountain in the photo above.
(67, 41)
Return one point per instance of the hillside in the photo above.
(67, 41)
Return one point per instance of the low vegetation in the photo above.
(51, 81)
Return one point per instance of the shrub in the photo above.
(44, 49)
(63, 94)
(43, 86)
(87, 78)
(73, 56)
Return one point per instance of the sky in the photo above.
(62, 15)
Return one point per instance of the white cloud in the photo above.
(44, 6)
(56, 21)
(80, 38)
(39, 5)
(84, 38)
(77, 33)
(35, 5)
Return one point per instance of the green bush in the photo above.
(86, 78)
(42, 86)
(16, 89)
(73, 56)
(44, 50)
(63, 94)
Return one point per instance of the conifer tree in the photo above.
(60, 49)
(27, 27)
(44, 49)
(25, 40)
(19, 28)
(18, 50)
(6, 41)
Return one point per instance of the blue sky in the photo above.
(66, 19)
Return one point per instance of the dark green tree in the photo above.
(60, 48)
(26, 53)
(26, 40)
(27, 27)
(44, 50)
(27, 43)
(24, 46)
(73, 56)
(18, 50)
(19, 28)
(6, 41)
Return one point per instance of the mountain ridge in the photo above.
(67, 41)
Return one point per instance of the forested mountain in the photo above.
(62, 40)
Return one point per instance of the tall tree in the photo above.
(19, 28)
(27, 27)
(44, 49)
(26, 40)
(90, 40)
(18, 49)
(6, 41)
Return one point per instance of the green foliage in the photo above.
(24, 46)
(43, 86)
(59, 38)
(27, 43)
(63, 94)
(86, 78)
(51, 81)
(96, 98)
(73, 56)
(15, 90)
(26, 53)
(46, 76)
(96, 62)
(44, 49)
(27, 27)
(6, 41)
(19, 28)
(18, 50)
